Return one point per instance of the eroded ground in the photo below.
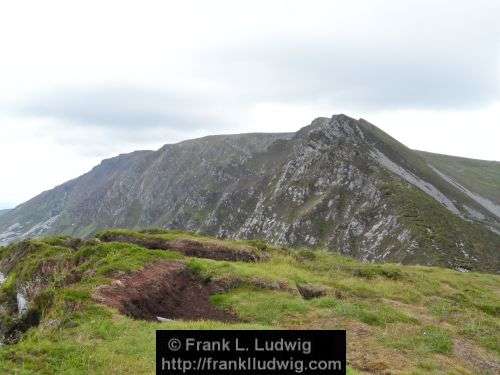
(99, 303)
(163, 290)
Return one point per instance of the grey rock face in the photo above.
(324, 186)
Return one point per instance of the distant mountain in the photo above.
(3, 211)
(338, 183)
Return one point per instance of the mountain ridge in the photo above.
(480, 179)
(338, 183)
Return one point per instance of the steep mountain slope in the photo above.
(338, 183)
(480, 179)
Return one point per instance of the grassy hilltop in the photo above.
(92, 305)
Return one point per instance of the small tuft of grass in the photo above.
(372, 314)
(424, 340)
(437, 340)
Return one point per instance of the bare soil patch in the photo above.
(475, 357)
(167, 289)
(364, 353)
(311, 291)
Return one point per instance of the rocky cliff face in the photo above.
(338, 183)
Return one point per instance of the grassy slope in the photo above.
(412, 319)
(434, 227)
(479, 176)
(415, 162)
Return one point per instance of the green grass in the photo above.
(417, 312)
(424, 341)
(372, 314)
(479, 176)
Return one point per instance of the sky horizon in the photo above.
(86, 81)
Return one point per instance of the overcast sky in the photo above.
(84, 80)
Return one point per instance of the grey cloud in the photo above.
(395, 55)
(364, 76)
(121, 107)
(407, 55)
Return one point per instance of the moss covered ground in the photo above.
(399, 319)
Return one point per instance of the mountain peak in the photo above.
(338, 183)
(341, 116)
(334, 119)
(339, 126)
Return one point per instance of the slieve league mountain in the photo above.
(339, 183)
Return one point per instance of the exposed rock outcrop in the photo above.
(338, 183)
